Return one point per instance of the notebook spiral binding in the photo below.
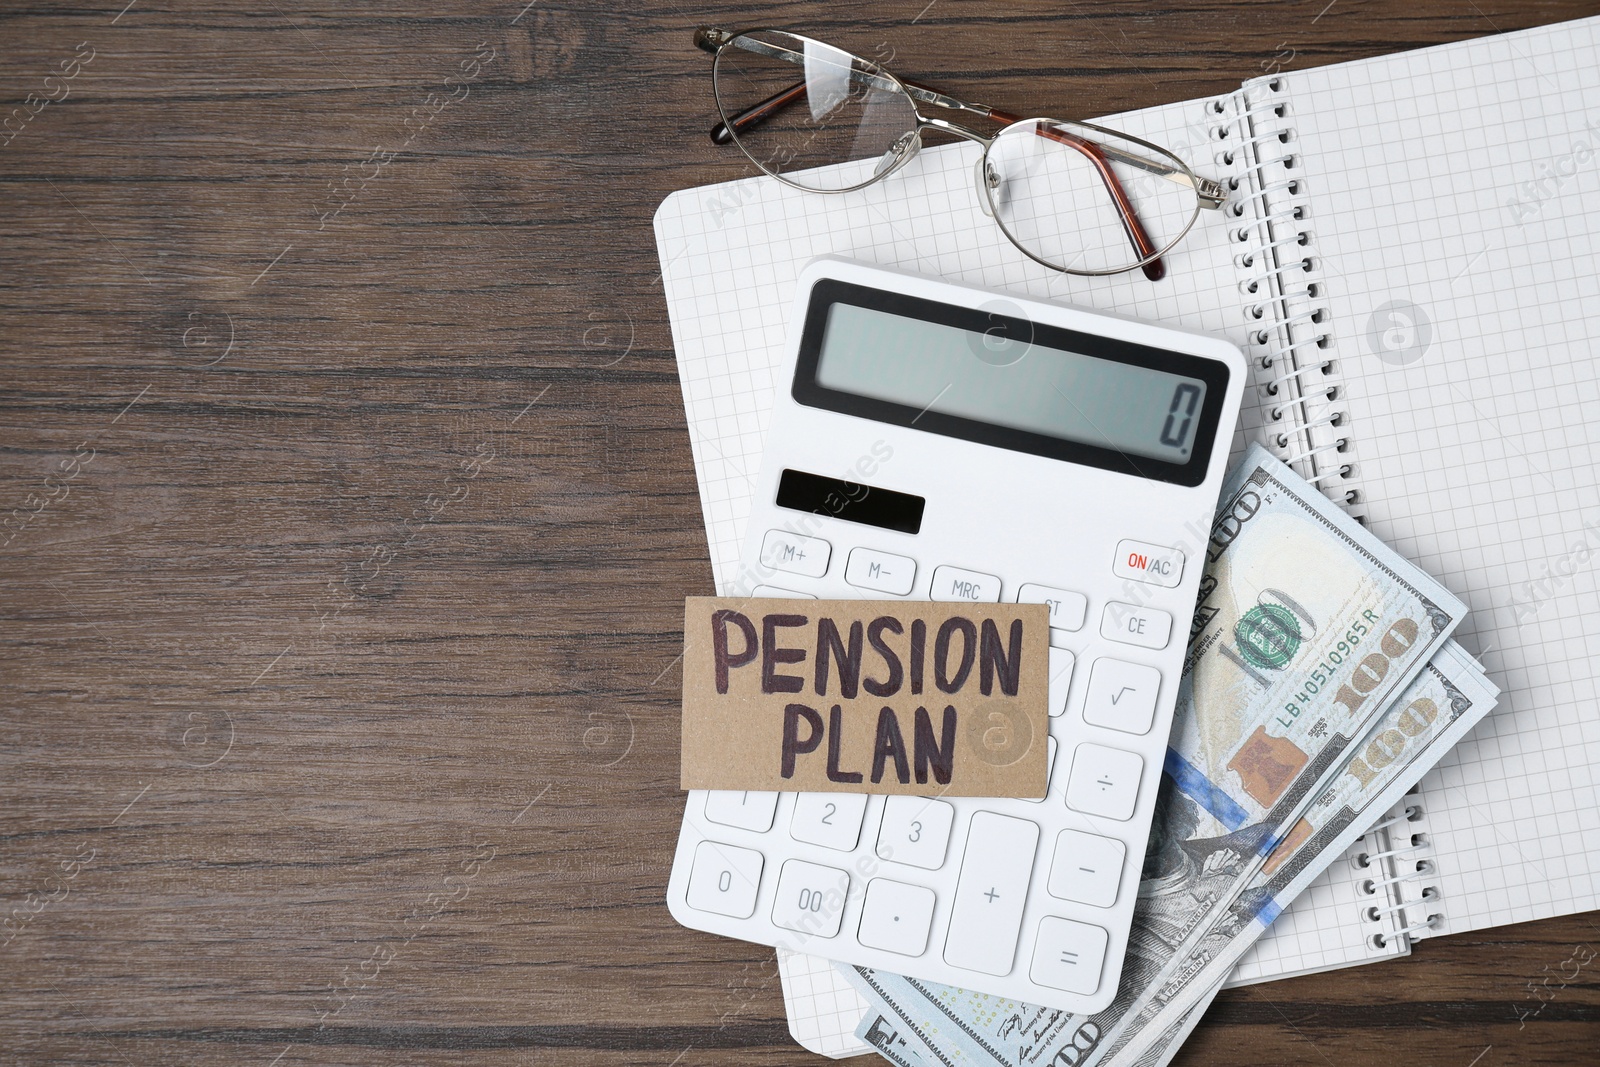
(1284, 305)
(1397, 876)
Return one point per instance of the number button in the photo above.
(1049, 769)
(1068, 955)
(1061, 663)
(784, 551)
(1087, 868)
(896, 917)
(724, 879)
(810, 898)
(832, 820)
(1104, 781)
(915, 831)
(1122, 696)
(742, 810)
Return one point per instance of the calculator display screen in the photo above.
(1004, 380)
(1011, 382)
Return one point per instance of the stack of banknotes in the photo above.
(1320, 684)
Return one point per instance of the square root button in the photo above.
(1148, 563)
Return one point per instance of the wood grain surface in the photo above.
(351, 514)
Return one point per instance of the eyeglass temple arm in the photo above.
(1154, 269)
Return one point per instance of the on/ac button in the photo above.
(1149, 563)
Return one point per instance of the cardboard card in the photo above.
(866, 696)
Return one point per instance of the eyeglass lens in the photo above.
(824, 107)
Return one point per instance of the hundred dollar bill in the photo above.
(1449, 698)
(1306, 628)
(915, 1023)
(890, 1040)
(927, 1024)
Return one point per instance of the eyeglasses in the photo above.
(1073, 196)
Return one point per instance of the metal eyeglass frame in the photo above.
(1208, 193)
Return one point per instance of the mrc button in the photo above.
(1149, 563)
(955, 583)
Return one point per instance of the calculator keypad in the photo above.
(1061, 663)
(725, 879)
(1122, 695)
(930, 893)
(806, 556)
(1067, 608)
(896, 917)
(1104, 781)
(1087, 868)
(1049, 772)
(1148, 563)
(810, 898)
(881, 572)
(957, 583)
(1135, 625)
(986, 916)
(746, 810)
(915, 831)
(832, 820)
(1069, 955)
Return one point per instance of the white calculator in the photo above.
(935, 441)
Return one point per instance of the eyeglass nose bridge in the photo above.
(983, 169)
(987, 179)
(897, 155)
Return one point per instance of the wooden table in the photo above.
(356, 514)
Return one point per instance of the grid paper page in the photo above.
(730, 254)
(823, 1008)
(1458, 188)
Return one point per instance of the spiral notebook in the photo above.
(1410, 257)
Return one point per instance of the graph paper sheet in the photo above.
(1455, 200)
(730, 254)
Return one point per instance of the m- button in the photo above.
(1133, 625)
(1148, 563)
(882, 572)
